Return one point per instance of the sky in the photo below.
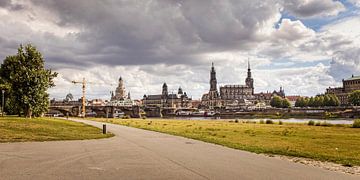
(304, 46)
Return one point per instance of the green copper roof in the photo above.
(353, 78)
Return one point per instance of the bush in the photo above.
(280, 122)
(269, 121)
(318, 123)
(262, 121)
(356, 124)
(236, 121)
(311, 123)
(326, 124)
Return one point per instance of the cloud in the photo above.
(313, 8)
(149, 42)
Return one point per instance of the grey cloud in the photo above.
(313, 8)
(170, 32)
(345, 63)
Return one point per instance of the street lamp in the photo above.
(2, 107)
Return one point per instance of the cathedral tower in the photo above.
(213, 82)
(249, 80)
(165, 90)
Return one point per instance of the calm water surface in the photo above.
(290, 120)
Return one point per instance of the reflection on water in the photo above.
(291, 120)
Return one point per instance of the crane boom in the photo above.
(83, 104)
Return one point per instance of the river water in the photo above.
(290, 120)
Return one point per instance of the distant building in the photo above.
(120, 93)
(179, 100)
(349, 85)
(120, 98)
(292, 99)
(235, 95)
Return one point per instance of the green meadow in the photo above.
(339, 143)
(16, 129)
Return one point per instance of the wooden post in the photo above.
(104, 128)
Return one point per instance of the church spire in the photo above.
(249, 65)
(213, 82)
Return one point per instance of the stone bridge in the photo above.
(101, 111)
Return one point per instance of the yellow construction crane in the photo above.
(83, 110)
(83, 104)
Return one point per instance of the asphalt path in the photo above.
(140, 154)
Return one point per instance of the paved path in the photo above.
(140, 154)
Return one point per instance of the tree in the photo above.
(286, 103)
(311, 102)
(354, 98)
(28, 80)
(276, 101)
(334, 100)
(327, 100)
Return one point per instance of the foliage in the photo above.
(28, 81)
(280, 102)
(286, 103)
(269, 121)
(354, 98)
(356, 123)
(311, 123)
(318, 101)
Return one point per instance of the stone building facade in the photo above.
(235, 95)
(120, 93)
(349, 85)
(120, 98)
(166, 100)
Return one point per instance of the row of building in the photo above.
(227, 96)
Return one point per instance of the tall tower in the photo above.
(249, 81)
(165, 90)
(120, 93)
(213, 82)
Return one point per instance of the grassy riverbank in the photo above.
(340, 144)
(15, 129)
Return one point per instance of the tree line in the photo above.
(25, 80)
(318, 101)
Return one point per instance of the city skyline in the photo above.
(304, 46)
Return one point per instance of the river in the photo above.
(290, 120)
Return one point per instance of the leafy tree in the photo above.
(327, 100)
(354, 98)
(28, 80)
(334, 100)
(311, 102)
(276, 101)
(286, 103)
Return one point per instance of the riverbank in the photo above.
(17, 129)
(339, 144)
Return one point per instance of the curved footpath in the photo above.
(140, 154)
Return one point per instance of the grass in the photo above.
(339, 144)
(15, 129)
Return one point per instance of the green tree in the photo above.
(29, 80)
(286, 103)
(334, 100)
(311, 102)
(354, 98)
(327, 100)
(276, 101)
(299, 102)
